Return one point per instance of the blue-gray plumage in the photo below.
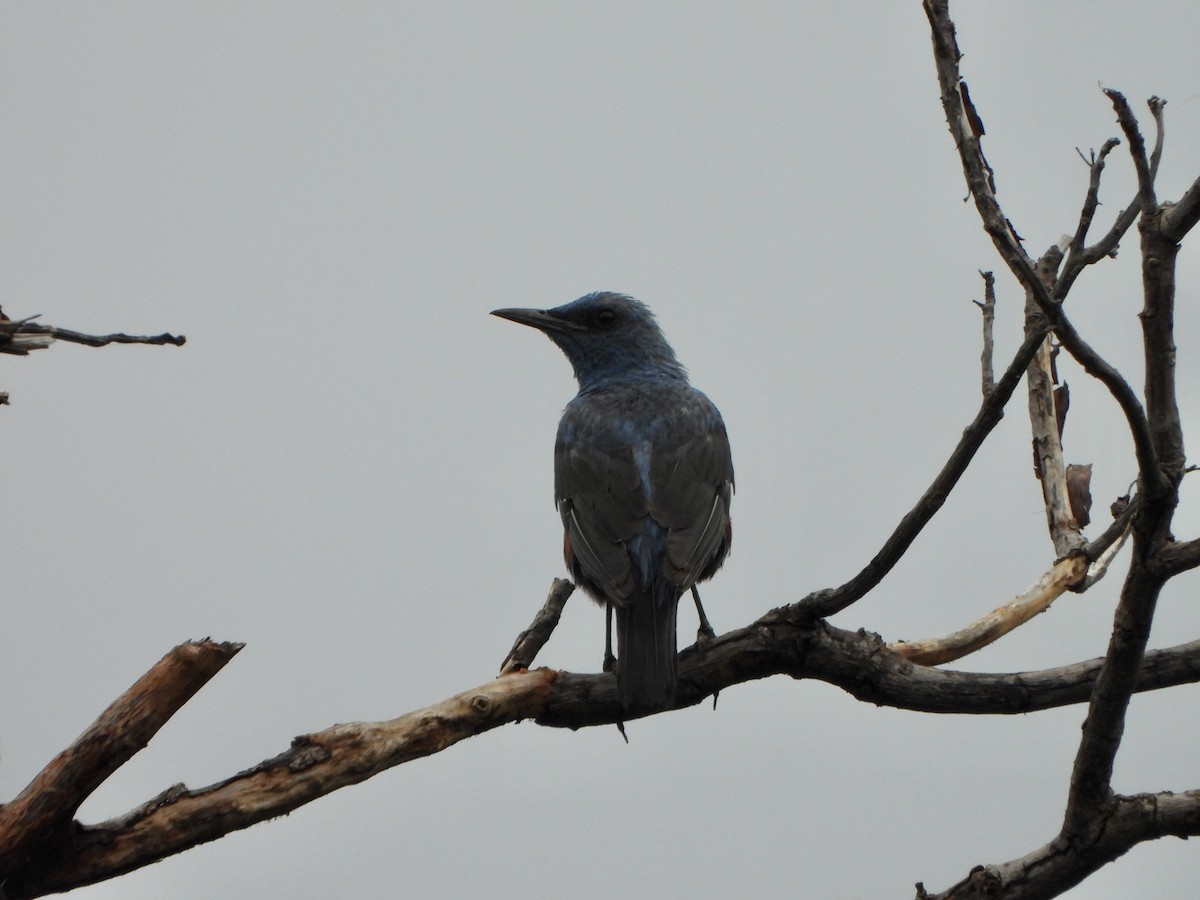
(642, 477)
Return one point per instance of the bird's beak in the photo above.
(541, 319)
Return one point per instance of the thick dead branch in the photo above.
(320, 763)
(315, 765)
(1159, 254)
(1176, 558)
(1060, 864)
(1090, 799)
(1090, 793)
(43, 811)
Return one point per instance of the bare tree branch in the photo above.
(824, 603)
(1092, 200)
(315, 765)
(320, 763)
(19, 337)
(1137, 146)
(1045, 415)
(959, 114)
(988, 308)
(530, 641)
(1176, 558)
(44, 809)
(1080, 256)
(1092, 806)
(1180, 218)
(1075, 572)
(1090, 795)
(1001, 620)
(1060, 864)
(1090, 800)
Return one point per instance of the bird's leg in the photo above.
(610, 661)
(705, 633)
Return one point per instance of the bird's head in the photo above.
(609, 338)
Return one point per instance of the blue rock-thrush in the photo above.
(642, 478)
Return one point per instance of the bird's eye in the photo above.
(605, 318)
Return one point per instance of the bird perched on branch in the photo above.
(642, 478)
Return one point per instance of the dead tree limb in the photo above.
(1077, 571)
(824, 603)
(42, 812)
(1001, 620)
(1091, 833)
(316, 764)
(988, 308)
(1058, 866)
(43, 849)
(19, 337)
(530, 641)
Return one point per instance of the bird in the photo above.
(643, 480)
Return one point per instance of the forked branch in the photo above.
(71, 854)
(1098, 825)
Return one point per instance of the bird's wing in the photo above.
(691, 487)
(602, 501)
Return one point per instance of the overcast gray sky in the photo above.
(348, 467)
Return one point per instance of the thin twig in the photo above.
(530, 641)
(1080, 256)
(1092, 199)
(988, 308)
(92, 340)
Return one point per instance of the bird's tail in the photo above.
(646, 650)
